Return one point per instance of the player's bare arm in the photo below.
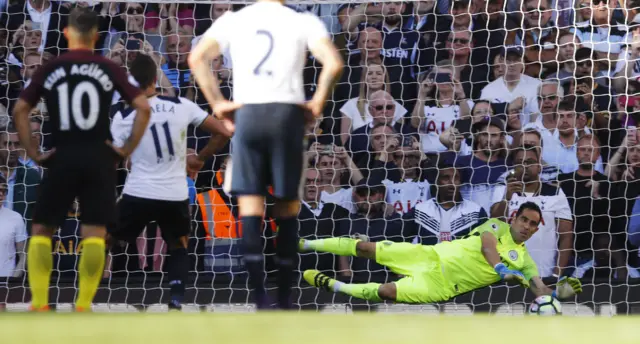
(565, 245)
(219, 138)
(539, 288)
(332, 65)
(200, 64)
(21, 112)
(143, 114)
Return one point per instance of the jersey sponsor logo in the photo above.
(445, 236)
(513, 255)
(432, 126)
(398, 205)
(396, 53)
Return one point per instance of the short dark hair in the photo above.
(83, 20)
(567, 105)
(526, 148)
(530, 206)
(144, 70)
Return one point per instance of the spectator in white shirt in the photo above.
(560, 148)
(441, 102)
(355, 112)
(514, 84)
(336, 172)
(412, 189)
(549, 94)
(552, 245)
(13, 238)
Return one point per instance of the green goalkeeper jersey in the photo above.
(464, 264)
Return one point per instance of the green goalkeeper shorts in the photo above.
(420, 264)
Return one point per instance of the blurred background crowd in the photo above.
(448, 112)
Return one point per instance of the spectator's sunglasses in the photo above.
(458, 40)
(135, 10)
(383, 107)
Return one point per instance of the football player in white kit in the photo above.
(268, 45)
(156, 187)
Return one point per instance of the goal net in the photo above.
(448, 112)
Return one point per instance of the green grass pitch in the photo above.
(310, 328)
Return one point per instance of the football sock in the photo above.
(90, 270)
(39, 265)
(287, 250)
(253, 255)
(339, 246)
(368, 291)
(178, 269)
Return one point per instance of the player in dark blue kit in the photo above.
(78, 88)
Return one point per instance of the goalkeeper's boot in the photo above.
(318, 279)
(39, 309)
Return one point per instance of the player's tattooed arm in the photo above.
(539, 288)
(219, 138)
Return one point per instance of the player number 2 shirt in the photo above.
(158, 165)
(268, 46)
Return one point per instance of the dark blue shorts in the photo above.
(267, 149)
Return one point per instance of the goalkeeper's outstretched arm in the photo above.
(565, 288)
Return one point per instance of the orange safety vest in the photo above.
(217, 215)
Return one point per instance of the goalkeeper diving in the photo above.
(492, 252)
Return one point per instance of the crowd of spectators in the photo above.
(448, 112)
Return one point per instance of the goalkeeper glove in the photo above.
(567, 287)
(511, 275)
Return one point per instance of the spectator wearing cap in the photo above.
(13, 238)
(446, 216)
(560, 149)
(372, 221)
(318, 220)
(514, 84)
(48, 17)
(482, 169)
